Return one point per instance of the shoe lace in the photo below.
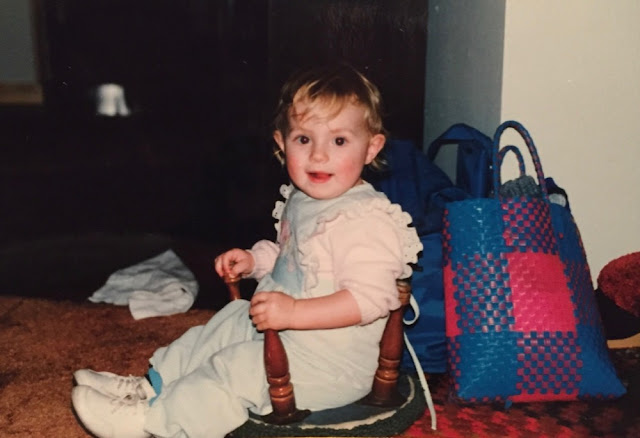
(132, 383)
(130, 403)
(140, 392)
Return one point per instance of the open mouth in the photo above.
(319, 177)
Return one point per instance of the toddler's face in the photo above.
(325, 150)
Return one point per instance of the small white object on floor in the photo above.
(161, 285)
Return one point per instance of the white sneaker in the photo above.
(114, 385)
(108, 417)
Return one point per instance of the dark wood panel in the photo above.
(385, 39)
(201, 77)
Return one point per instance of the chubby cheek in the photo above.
(351, 167)
(293, 165)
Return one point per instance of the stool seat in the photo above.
(392, 405)
(355, 419)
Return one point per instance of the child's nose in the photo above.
(319, 153)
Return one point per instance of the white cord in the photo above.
(423, 381)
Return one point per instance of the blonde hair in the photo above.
(333, 86)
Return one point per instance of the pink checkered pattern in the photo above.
(529, 290)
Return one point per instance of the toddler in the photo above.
(328, 284)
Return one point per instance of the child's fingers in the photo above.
(258, 315)
(232, 262)
(237, 268)
(217, 264)
(223, 265)
(260, 297)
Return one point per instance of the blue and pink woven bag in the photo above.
(522, 322)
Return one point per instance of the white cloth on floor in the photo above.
(161, 285)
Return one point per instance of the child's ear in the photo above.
(375, 146)
(277, 136)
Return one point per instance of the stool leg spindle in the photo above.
(384, 390)
(277, 369)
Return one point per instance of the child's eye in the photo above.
(340, 141)
(303, 139)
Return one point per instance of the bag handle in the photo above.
(498, 156)
(456, 134)
(501, 154)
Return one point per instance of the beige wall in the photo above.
(572, 75)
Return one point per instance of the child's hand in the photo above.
(234, 263)
(272, 310)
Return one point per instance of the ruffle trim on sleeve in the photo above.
(363, 207)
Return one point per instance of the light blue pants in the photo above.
(214, 373)
(211, 375)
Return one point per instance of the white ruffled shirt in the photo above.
(359, 241)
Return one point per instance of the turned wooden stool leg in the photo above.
(384, 390)
(232, 284)
(276, 366)
(283, 400)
